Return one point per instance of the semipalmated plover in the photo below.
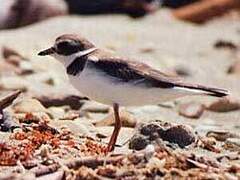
(116, 81)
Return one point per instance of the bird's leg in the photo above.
(117, 127)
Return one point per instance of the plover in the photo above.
(116, 81)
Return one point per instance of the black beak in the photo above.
(46, 52)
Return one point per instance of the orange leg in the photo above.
(117, 128)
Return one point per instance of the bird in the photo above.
(117, 81)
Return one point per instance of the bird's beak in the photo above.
(46, 52)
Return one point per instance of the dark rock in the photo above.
(176, 3)
(223, 44)
(138, 142)
(60, 100)
(8, 99)
(8, 122)
(135, 8)
(180, 135)
(154, 131)
(148, 129)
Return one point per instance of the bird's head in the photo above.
(67, 47)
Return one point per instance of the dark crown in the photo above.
(68, 44)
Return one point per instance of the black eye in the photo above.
(67, 47)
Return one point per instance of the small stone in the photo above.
(224, 105)
(232, 144)
(234, 68)
(78, 127)
(149, 48)
(181, 135)
(235, 141)
(182, 71)
(94, 107)
(149, 129)
(158, 130)
(8, 122)
(50, 81)
(138, 142)
(34, 117)
(29, 106)
(191, 110)
(44, 151)
(71, 115)
(222, 135)
(8, 99)
(60, 99)
(224, 44)
(7, 52)
(127, 120)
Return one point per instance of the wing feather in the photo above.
(138, 73)
(142, 74)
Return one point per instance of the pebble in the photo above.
(60, 99)
(94, 107)
(180, 134)
(8, 122)
(235, 141)
(222, 135)
(79, 126)
(191, 110)
(29, 106)
(232, 144)
(138, 142)
(224, 44)
(8, 52)
(234, 68)
(127, 119)
(182, 71)
(224, 105)
(152, 131)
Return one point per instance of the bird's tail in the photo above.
(204, 90)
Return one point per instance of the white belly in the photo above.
(96, 87)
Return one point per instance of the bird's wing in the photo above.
(176, 82)
(135, 72)
(142, 74)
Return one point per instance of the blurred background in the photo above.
(197, 40)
